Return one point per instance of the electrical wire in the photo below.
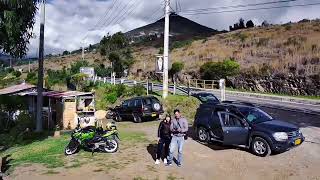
(253, 9)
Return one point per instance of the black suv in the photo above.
(138, 109)
(243, 124)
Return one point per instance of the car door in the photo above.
(235, 132)
(216, 128)
(123, 109)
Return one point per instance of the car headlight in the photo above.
(280, 136)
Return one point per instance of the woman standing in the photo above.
(164, 135)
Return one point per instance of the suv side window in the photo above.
(147, 101)
(137, 103)
(125, 104)
(230, 120)
(131, 103)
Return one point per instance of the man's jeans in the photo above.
(176, 142)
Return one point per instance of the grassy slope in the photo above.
(279, 45)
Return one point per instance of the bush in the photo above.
(111, 97)
(137, 90)
(180, 44)
(16, 73)
(32, 78)
(218, 70)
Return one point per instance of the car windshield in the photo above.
(255, 115)
(207, 98)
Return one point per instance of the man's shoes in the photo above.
(179, 165)
(169, 164)
(165, 161)
(157, 162)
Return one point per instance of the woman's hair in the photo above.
(169, 116)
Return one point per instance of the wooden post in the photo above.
(204, 84)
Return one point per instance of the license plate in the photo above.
(153, 115)
(297, 142)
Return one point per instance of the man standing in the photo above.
(179, 128)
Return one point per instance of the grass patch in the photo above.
(49, 152)
(132, 136)
(139, 178)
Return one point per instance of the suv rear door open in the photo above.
(234, 130)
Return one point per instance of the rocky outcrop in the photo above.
(282, 84)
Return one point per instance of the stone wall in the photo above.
(283, 84)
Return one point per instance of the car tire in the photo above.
(137, 118)
(203, 134)
(118, 118)
(260, 147)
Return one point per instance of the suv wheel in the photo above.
(202, 134)
(260, 147)
(117, 117)
(136, 118)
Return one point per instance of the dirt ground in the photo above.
(201, 161)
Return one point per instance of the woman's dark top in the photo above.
(164, 130)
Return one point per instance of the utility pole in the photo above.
(40, 70)
(83, 50)
(166, 49)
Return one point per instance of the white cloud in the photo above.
(68, 21)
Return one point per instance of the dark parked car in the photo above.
(138, 109)
(243, 124)
(206, 97)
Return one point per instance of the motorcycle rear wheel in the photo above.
(113, 148)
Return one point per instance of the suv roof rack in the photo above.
(239, 103)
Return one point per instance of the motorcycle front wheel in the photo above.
(112, 146)
(71, 148)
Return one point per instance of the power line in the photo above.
(101, 19)
(238, 6)
(243, 10)
(115, 17)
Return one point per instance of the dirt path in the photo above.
(200, 162)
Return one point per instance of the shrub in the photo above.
(32, 78)
(16, 73)
(176, 67)
(137, 90)
(111, 97)
(180, 44)
(218, 70)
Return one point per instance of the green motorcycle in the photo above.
(94, 139)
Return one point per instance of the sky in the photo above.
(71, 23)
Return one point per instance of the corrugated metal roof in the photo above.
(57, 94)
(16, 89)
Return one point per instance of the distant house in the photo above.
(88, 71)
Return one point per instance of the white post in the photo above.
(104, 80)
(83, 50)
(174, 87)
(114, 78)
(166, 50)
(222, 86)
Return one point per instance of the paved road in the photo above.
(270, 102)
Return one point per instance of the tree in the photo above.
(65, 53)
(249, 24)
(241, 23)
(265, 23)
(16, 22)
(118, 51)
(218, 70)
(176, 68)
(79, 80)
